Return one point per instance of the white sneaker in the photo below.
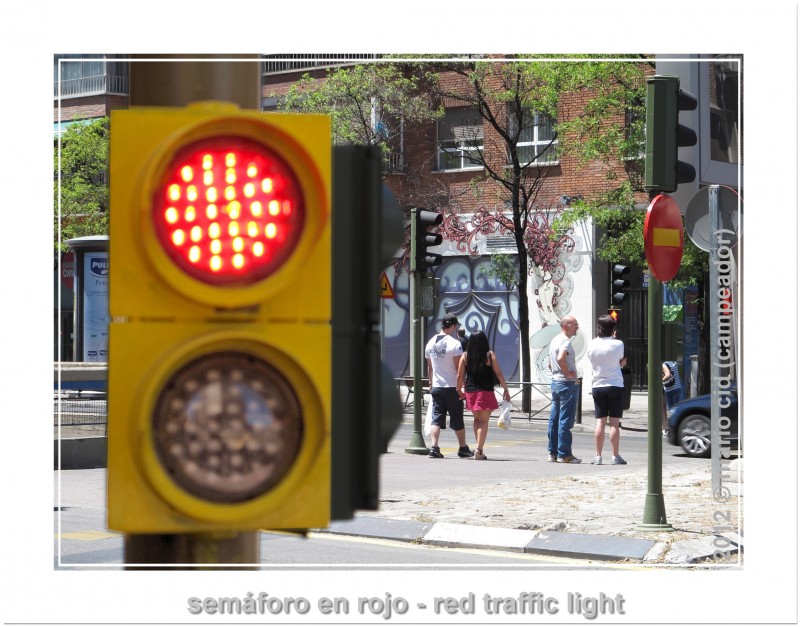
(597, 460)
(618, 460)
(569, 460)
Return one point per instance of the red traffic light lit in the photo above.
(614, 313)
(229, 211)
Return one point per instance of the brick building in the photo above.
(435, 155)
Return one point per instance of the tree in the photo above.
(522, 102)
(374, 104)
(371, 104)
(80, 166)
(368, 103)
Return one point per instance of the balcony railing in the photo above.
(91, 85)
(277, 64)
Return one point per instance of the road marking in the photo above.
(88, 535)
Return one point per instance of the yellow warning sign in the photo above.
(386, 287)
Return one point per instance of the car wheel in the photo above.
(694, 435)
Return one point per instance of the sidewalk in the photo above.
(588, 516)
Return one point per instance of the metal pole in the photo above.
(203, 549)
(177, 83)
(173, 81)
(655, 514)
(417, 445)
(713, 262)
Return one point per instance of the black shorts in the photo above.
(447, 401)
(607, 402)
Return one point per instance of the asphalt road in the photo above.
(515, 452)
(83, 541)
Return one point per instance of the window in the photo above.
(460, 138)
(537, 143)
(87, 74)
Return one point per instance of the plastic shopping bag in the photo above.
(428, 414)
(504, 421)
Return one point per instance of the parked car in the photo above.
(689, 423)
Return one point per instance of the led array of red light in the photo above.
(229, 211)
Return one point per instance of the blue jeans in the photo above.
(672, 396)
(562, 417)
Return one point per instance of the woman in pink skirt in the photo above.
(476, 381)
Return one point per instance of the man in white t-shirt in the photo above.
(443, 353)
(564, 391)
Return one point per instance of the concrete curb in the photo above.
(553, 543)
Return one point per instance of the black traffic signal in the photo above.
(619, 283)
(422, 239)
(665, 100)
(367, 228)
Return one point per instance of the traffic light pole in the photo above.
(159, 83)
(417, 445)
(192, 548)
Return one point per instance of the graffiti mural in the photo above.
(480, 302)
(483, 303)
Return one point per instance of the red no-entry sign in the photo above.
(663, 237)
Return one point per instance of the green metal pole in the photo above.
(417, 445)
(655, 514)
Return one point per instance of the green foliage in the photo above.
(672, 313)
(505, 269)
(622, 236)
(358, 96)
(80, 166)
(617, 93)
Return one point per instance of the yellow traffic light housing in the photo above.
(219, 349)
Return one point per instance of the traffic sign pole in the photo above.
(663, 235)
(713, 262)
(655, 513)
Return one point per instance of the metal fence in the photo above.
(80, 412)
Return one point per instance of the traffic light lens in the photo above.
(227, 427)
(229, 211)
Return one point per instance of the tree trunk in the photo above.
(524, 317)
(524, 336)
